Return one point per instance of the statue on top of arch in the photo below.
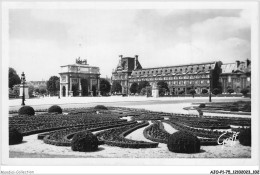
(79, 61)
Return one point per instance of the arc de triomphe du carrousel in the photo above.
(79, 79)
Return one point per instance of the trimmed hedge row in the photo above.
(115, 137)
(156, 133)
(65, 141)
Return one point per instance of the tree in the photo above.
(105, 86)
(142, 85)
(230, 90)
(215, 91)
(42, 90)
(116, 87)
(204, 91)
(163, 84)
(244, 91)
(30, 90)
(134, 88)
(192, 92)
(13, 78)
(53, 85)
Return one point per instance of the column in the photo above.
(91, 92)
(67, 90)
(98, 86)
(70, 90)
(80, 90)
(61, 90)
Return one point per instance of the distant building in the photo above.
(124, 70)
(79, 79)
(182, 78)
(236, 76)
(37, 83)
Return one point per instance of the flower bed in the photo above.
(156, 132)
(116, 137)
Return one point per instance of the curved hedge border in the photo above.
(161, 130)
(140, 144)
(67, 140)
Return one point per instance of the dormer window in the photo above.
(175, 70)
(180, 70)
(209, 67)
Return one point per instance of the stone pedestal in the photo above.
(71, 93)
(91, 93)
(155, 92)
(26, 91)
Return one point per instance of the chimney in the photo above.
(247, 62)
(121, 56)
(136, 59)
(237, 63)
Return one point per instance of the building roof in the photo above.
(237, 67)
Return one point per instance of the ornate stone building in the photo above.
(180, 78)
(124, 70)
(79, 79)
(236, 76)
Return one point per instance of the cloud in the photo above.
(160, 37)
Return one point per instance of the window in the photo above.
(202, 81)
(171, 70)
(198, 68)
(180, 70)
(208, 81)
(209, 67)
(175, 70)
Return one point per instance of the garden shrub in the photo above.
(100, 107)
(181, 142)
(84, 142)
(26, 110)
(234, 109)
(15, 137)
(245, 137)
(245, 91)
(204, 91)
(202, 105)
(247, 108)
(55, 109)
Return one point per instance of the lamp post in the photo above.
(210, 84)
(23, 82)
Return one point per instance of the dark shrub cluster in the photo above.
(247, 108)
(182, 142)
(15, 137)
(26, 110)
(100, 107)
(84, 142)
(202, 105)
(245, 137)
(55, 109)
(234, 109)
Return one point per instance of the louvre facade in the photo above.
(182, 78)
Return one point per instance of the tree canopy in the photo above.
(163, 84)
(142, 85)
(53, 84)
(105, 86)
(116, 87)
(134, 88)
(13, 78)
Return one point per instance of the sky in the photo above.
(40, 41)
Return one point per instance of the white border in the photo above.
(253, 6)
